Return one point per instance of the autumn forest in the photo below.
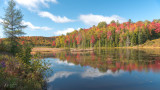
(111, 35)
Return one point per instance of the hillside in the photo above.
(38, 40)
(152, 43)
(34, 40)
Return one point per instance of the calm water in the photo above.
(111, 69)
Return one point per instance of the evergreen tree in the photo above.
(134, 39)
(130, 21)
(12, 24)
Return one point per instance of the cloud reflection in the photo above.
(65, 62)
(63, 74)
(89, 73)
(93, 73)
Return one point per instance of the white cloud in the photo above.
(65, 31)
(61, 74)
(93, 73)
(30, 25)
(54, 18)
(35, 3)
(91, 19)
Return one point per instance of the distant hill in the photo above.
(38, 40)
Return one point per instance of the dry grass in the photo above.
(152, 43)
(44, 49)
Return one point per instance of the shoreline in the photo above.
(46, 49)
(140, 47)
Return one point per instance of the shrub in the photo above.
(16, 74)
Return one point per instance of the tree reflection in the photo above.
(114, 59)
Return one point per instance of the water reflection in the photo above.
(112, 59)
(93, 73)
(110, 69)
(63, 74)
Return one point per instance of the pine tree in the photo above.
(12, 24)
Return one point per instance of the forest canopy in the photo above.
(114, 34)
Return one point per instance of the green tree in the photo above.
(113, 21)
(128, 40)
(134, 39)
(130, 21)
(102, 24)
(116, 40)
(12, 24)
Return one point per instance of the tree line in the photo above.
(114, 34)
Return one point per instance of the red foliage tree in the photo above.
(53, 43)
(78, 39)
(157, 30)
(109, 34)
(92, 39)
(23, 42)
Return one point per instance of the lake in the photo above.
(105, 69)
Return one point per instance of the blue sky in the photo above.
(56, 17)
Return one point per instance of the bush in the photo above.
(22, 71)
(16, 74)
(2, 48)
(5, 46)
(24, 53)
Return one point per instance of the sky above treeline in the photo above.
(56, 17)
